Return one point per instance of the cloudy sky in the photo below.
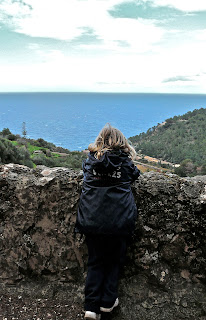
(103, 45)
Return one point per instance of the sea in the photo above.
(73, 120)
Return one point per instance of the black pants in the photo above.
(106, 257)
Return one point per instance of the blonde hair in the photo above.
(110, 139)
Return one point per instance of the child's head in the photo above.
(110, 139)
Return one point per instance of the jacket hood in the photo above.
(109, 160)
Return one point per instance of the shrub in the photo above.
(5, 132)
(43, 143)
(28, 163)
(186, 168)
(203, 169)
(39, 159)
(11, 136)
(8, 152)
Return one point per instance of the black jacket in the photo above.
(107, 204)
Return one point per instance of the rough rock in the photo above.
(164, 276)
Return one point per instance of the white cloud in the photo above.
(109, 73)
(33, 46)
(66, 20)
(13, 8)
(201, 35)
(140, 35)
(147, 58)
(184, 5)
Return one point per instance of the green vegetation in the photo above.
(24, 132)
(181, 139)
(10, 153)
(30, 152)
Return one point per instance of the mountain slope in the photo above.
(30, 152)
(176, 139)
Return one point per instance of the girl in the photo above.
(106, 215)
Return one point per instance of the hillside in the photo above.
(30, 152)
(181, 139)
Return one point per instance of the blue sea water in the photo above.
(73, 120)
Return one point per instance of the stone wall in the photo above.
(164, 276)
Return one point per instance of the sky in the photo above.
(103, 46)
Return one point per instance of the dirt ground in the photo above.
(20, 308)
(38, 309)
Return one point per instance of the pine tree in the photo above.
(24, 132)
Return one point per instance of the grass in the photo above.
(28, 154)
(55, 155)
(33, 148)
(15, 143)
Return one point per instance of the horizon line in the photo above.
(101, 92)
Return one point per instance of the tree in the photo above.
(186, 168)
(203, 169)
(24, 132)
(5, 132)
